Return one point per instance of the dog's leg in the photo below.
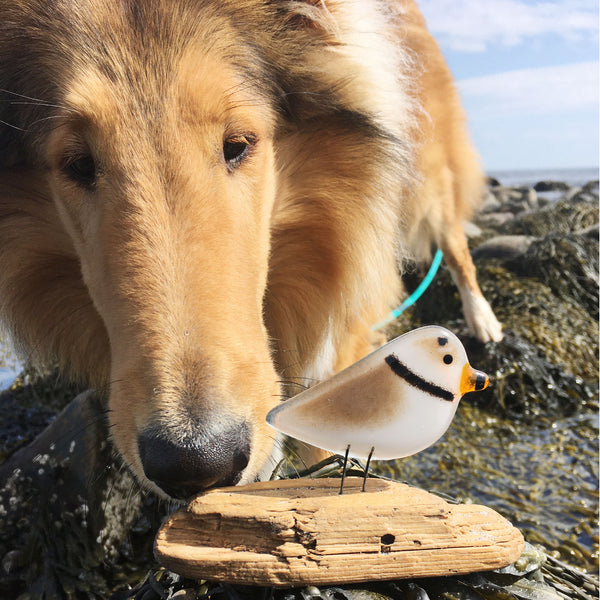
(479, 315)
(360, 341)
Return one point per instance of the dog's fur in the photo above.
(201, 198)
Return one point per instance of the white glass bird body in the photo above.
(399, 400)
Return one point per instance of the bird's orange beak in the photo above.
(472, 380)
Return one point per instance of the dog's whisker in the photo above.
(35, 101)
(11, 126)
(45, 119)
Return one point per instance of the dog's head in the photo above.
(139, 236)
(158, 157)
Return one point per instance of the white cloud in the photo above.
(532, 91)
(472, 25)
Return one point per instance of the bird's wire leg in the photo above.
(367, 468)
(344, 470)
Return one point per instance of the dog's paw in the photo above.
(481, 320)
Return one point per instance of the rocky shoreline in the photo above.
(73, 522)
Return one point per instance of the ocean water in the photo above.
(10, 365)
(7, 376)
(573, 177)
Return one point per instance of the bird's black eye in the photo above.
(448, 358)
(81, 169)
(236, 149)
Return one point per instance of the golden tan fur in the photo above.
(140, 257)
(452, 180)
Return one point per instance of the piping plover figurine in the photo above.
(393, 403)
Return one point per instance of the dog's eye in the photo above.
(236, 149)
(82, 170)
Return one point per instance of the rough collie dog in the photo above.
(200, 199)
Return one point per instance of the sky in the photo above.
(528, 76)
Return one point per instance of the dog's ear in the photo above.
(31, 36)
(44, 303)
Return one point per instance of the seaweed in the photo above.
(563, 216)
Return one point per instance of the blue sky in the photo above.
(528, 75)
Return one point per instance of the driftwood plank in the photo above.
(301, 532)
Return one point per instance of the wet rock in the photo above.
(20, 424)
(550, 186)
(592, 232)
(490, 203)
(567, 264)
(494, 219)
(554, 328)
(472, 230)
(576, 193)
(503, 246)
(66, 504)
(564, 216)
(531, 560)
(521, 199)
(532, 198)
(527, 384)
(538, 584)
(582, 196)
(514, 199)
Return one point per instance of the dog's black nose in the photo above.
(184, 466)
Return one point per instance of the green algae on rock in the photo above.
(567, 264)
(563, 216)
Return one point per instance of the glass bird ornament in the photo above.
(395, 402)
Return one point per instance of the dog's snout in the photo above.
(184, 466)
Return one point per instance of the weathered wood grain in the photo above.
(300, 532)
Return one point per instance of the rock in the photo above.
(490, 203)
(503, 246)
(518, 193)
(512, 200)
(563, 216)
(515, 207)
(580, 195)
(591, 187)
(544, 201)
(532, 198)
(531, 559)
(550, 186)
(494, 219)
(592, 232)
(20, 424)
(567, 263)
(492, 181)
(502, 194)
(471, 230)
(573, 193)
(66, 504)
(30, 405)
